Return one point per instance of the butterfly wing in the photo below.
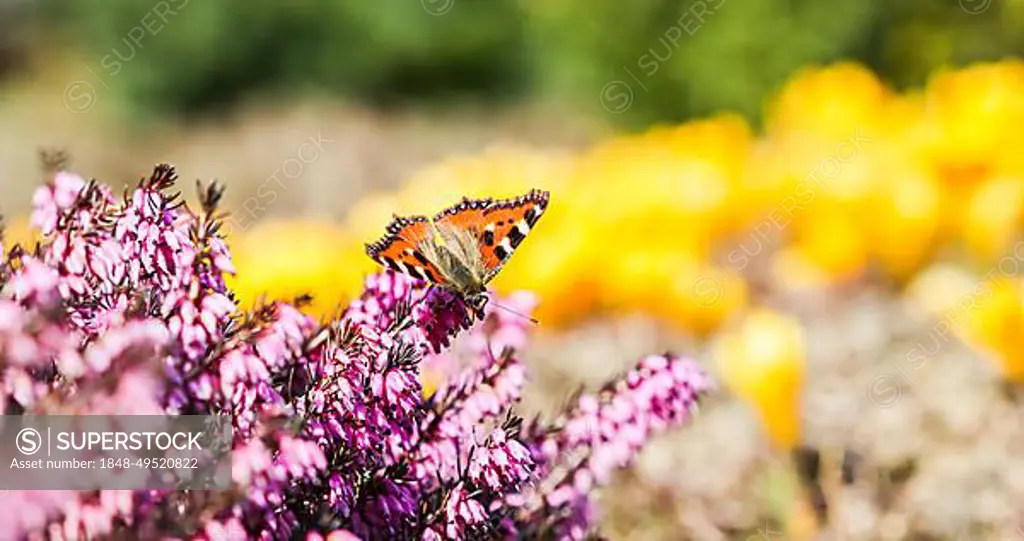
(468, 215)
(499, 226)
(399, 249)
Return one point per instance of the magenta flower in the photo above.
(604, 432)
(123, 309)
(50, 202)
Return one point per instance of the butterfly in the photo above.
(463, 247)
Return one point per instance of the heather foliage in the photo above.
(122, 308)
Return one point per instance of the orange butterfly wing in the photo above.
(467, 215)
(399, 250)
(500, 226)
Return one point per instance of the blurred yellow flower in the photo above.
(974, 117)
(680, 287)
(705, 302)
(994, 322)
(804, 177)
(904, 133)
(282, 260)
(553, 264)
(906, 220)
(835, 244)
(833, 101)
(683, 178)
(993, 216)
(19, 230)
(762, 361)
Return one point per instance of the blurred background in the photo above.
(821, 201)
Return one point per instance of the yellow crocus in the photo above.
(831, 101)
(974, 116)
(763, 362)
(907, 220)
(993, 322)
(993, 216)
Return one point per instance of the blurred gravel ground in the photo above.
(944, 420)
(363, 151)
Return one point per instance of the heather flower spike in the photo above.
(123, 309)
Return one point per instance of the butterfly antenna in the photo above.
(511, 311)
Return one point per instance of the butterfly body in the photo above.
(454, 253)
(463, 247)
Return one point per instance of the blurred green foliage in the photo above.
(192, 55)
(670, 59)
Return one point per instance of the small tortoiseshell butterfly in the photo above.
(463, 247)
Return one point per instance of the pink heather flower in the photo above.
(148, 334)
(299, 458)
(432, 534)
(342, 535)
(461, 513)
(50, 201)
(436, 313)
(155, 241)
(336, 535)
(125, 310)
(197, 322)
(229, 530)
(610, 429)
(92, 517)
(36, 282)
(137, 393)
(30, 338)
(23, 511)
(439, 317)
(500, 464)
(450, 436)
